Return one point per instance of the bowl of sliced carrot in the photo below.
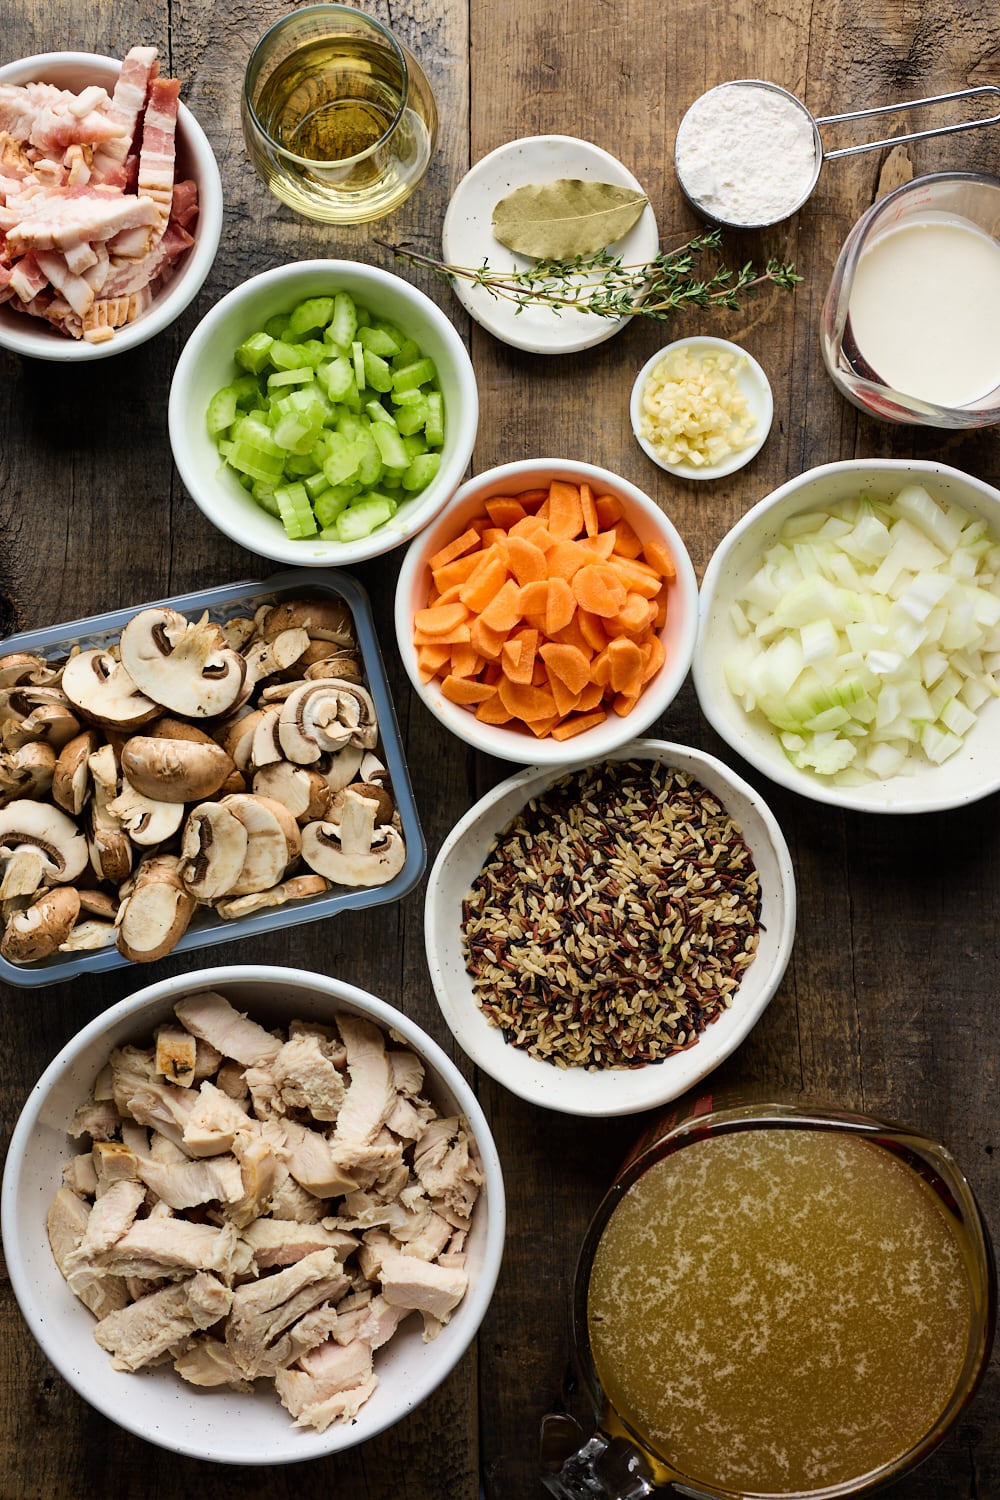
(549, 612)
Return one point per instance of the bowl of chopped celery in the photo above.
(323, 412)
(849, 636)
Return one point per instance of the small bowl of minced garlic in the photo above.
(701, 408)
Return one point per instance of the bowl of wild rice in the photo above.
(601, 936)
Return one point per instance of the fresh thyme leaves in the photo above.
(606, 287)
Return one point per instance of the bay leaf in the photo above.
(569, 217)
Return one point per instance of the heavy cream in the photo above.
(924, 311)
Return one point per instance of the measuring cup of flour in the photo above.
(911, 323)
(749, 153)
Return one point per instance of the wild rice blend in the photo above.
(613, 918)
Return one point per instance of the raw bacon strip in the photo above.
(156, 157)
(78, 293)
(77, 215)
(139, 68)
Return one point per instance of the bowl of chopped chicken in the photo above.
(254, 1215)
(110, 204)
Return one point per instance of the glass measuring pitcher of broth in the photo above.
(776, 1301)
(911, 323)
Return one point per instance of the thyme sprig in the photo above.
(605, 286)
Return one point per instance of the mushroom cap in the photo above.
(303, 791)
(273, 842)
(39, 825)
(213, 850)
(175, 770)
(71, 777)
(353, 852)
(156, 913)
(38, 931)
(186, 666)
(147, 820)
(323, 619)
(26, 771)
(97, 684)
(322, 717)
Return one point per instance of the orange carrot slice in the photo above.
(527, 561)
(503, 611)
(447, 554)
(485, 582)
(627, 544)
(465, 660)
(626, 663)
(565, 518)
(439, 619)
(588, 510)
(560, 606)
(450, 574)
(657, 554)
(492, 711)
(568, 663)
(526, 701)
(609, 510)
(504, 510)
(578, 724)
(461, 690)
(517, 656)
(565, 700)
(489, 643)
(598, 589)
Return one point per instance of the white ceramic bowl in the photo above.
(678, 633)
(576, 1091)
(206, 364)
(195, 159)
(754, 386)
(157, 1405)
(972, 773)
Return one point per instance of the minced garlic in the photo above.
(693, 410)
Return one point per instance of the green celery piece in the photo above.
(264, 495)
(378, 341)
(281, 379)
(377, 414)
(390, 446)
(247, 459)
(358, 357)
(247, 388)
(296, 512)
(378, 375)
(434, 426)
(344, 459)
(313, 351)
(221, 412)
(409, 350)
(361, 519)
(370, 468)
(421, 471)
(285, 356)
(313, 313)
(414, 443)
(343, 326)
(329, 505)
(418, 372)
(277, 327)
(315, 484)
(337, 376)
(255, 352)
(413, 417)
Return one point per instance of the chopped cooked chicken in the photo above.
(137, 1335)
(256, 1205)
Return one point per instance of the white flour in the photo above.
(745, 154)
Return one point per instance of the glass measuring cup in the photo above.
(923, 344)
(763, 1154)
(338, 118)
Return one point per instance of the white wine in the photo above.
(340, 123)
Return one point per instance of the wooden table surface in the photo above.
(890, 1000)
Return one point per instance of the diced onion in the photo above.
(869, 634)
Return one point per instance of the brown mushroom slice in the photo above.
(90, 936)
(301, 790)
(238, 632)
(354, 852)
(268, 657)
(22, 667)
(38, 931)
(237, 737)
(110, 846)
(38, 843)
(341, 769)
(71, 782)
(45, 715)
(26, 772)
(146, 820)
(97, 684)
(266, 748)
(184, 665)
(156, 913)
(322, 717)
(298, 888)
(322, 619)
(343, 664)
(213, 850)
(175, 770)
(273, 842)
(385, 807)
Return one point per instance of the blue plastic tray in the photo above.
(224, 603)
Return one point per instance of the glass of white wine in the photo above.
(338, 117)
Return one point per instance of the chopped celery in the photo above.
(330, 418)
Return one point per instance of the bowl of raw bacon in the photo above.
(110, 204)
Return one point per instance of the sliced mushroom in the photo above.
(322, 619)
(175, 770)
(237, 738)
(268, 657)
(71, 783)
(239, 632)
(38, 843)
(155, 914)
(88, 936)
(213, 851)
(48, 718)
(146, 820)
(273, 842)
(343, 664)
(341, 769)
(184, 665)
(353, 852)
(298, 888)
(298, 788)
(98, 685)
(26, 772)
(38, 931)
(99, 904)
(24, 667)
(323, 717)
(110, 845)
(384, 805)
(266, 748)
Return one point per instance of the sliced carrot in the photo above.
(455, 572)
(592, 629)
(503, 611)
(495, 536)
(603, 544)
(560, 606)
(524, 701)
(526, 560)
(599, 590)
(578, 724)
(592, 695)
(627, 543)
(448, 553)
(600, 668)
(657, 554)
(535, 597)
(492, 711)
(458, 635)
(572, 635)
(439, 619)
(517, 657)
(633, 618)
(609, 510)
(661, 609)
(568, 663)
(485, 583)
(489, 643)
(588, 510)
(565, 518)
(533, 499)
(637, 576)
(565, 699)
(566, 558)
(461, 690)
(504, 510)
(542, 728)
(655, 655)
(626, 664)
(530, 528)
(465, 660)
(623, 703)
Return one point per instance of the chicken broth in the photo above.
(779, 1311)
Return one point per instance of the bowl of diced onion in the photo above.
(323, 413)
(849, 636)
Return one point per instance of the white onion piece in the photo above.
(870, 634)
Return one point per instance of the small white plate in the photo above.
(467, 239)
(754, 385)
